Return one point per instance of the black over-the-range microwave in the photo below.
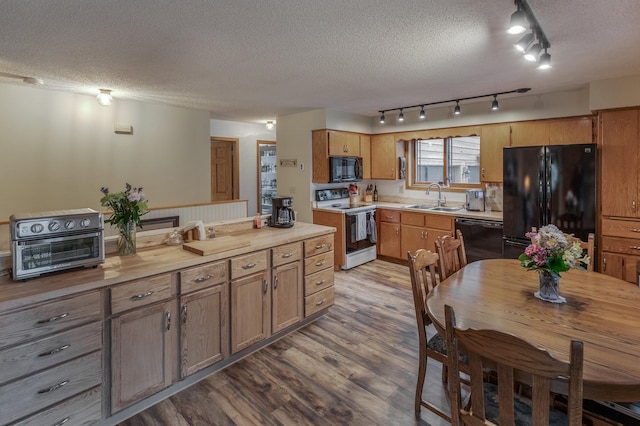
(345, 169)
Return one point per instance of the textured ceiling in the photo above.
(254, 60)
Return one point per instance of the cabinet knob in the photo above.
(633, 206)
(604, 264)
(168, 315)
(483, 172)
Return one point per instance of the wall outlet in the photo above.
(265, 222)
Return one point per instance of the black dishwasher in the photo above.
(482, 238)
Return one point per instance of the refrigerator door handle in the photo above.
(548, 189)
(541, 189)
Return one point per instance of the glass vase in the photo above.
(549, 287)
(127, 239)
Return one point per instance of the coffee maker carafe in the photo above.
(282, 215)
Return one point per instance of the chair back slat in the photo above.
(510, 356)
(422, 269)
(452, 254)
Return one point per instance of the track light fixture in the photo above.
(456, 110)
(526, 44)
(104, 97)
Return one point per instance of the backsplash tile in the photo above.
(493, 196)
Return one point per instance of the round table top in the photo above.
(602, 311)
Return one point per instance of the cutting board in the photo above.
(215, 245)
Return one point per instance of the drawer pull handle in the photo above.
(56, 318)
(55, 351)
(61, 422)
(320, 263)
(287, 255)
(141, 296)
(168, 320)
(184, 313)
(265, 286)
(202, 279)
(54, 387)
(320, 282)
(249, 266)
(634, 230)
(321, 302)
(634, 247)
(275, 282)
(321, 246)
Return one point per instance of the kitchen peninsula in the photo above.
(103, 344)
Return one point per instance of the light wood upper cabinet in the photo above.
(365, 153)
(326, 143)
(571, 131)
(620, 150)
(343, 143)
(530, 133)
(143, 353)
(493, 138)
(384, 162)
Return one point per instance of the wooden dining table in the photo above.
(601, 311)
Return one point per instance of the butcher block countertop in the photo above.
(146, 262)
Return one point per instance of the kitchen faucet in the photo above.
(441, 200)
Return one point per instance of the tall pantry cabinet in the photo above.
(619, 137)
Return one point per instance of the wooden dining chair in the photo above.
(423, 280)
(452, 254)
(511, 356)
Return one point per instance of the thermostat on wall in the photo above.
(124, 129)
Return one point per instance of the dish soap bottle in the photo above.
(375, 193)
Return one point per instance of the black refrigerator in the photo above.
(547, 185)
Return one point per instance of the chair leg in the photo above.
(422, 372)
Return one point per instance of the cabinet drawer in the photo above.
(318, 301)
(621, 245)
(49, 318)
(318, 245)
(318, 262)
(40, 354)
(140, 293)
(242, 266)
(200, 277)
(391, 216)
(439, 222)
(285, 254)
(83, 409)
(318, 281)
(412, 218)
(49, 387)
(621, 228)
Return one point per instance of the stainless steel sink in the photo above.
(433, 208)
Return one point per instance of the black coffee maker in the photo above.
(282, 215)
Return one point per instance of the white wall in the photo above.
(615, 93)
(248, 135)
(58, 149)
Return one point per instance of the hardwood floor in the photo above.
(355, 366)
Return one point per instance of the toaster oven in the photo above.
(54, 241)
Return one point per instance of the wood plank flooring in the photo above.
(355, 366)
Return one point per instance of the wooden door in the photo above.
(286, 295)
(494, 137)
(383, 157)
(619, 133)
(337, 143)
(365, 153)
(612, 264)
(222, 170)
(142, 353)
(204, 329)
(413, 238)
(571, 131)
(249, 311)
(319, 156)
(352, 144)
(530, 133)
(389, 240)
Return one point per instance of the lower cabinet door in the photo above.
(287, 297)
(250, 311)
(204, 329)
(142, 353)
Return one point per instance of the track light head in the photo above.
(518, 22)
(456, 110)
(545, 61)
(533, 52)
(382, 117)
(494, 104)
(422, 113)
(523, 43)
(401, 116)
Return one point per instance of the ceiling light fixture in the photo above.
(104, 97)
(494, 104)
(456, 110)
(526, 44)
(270, 125)
(517, 22)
